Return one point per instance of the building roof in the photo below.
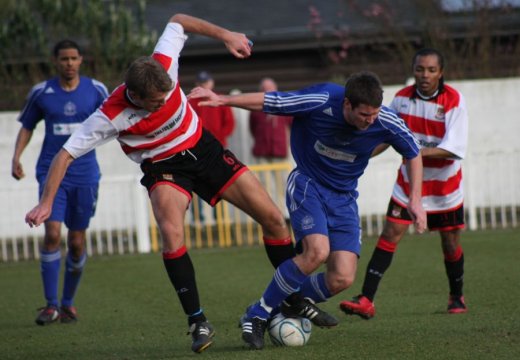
(288, 48)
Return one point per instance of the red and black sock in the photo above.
(279, 250)
(378, 264)
(182, 276)
(454, 264)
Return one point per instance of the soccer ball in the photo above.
(289, 331)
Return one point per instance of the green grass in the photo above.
(128, 310)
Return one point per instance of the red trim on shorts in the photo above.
(174, 254)
(449, 228)
(386, 245)
(175, 186)
(277, 242)
(399, 221)
(230, 182)
(455, 256)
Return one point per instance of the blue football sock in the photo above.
(73, 271)
(50, 270)
(286, 280)
(314, 287)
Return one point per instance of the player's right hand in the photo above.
(206, 97)
(418, 215)
(17, 170)
(38, 215)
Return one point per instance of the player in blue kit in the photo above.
(63, 103)
(334, 131)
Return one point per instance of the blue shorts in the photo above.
(315, 209)
(73, 205)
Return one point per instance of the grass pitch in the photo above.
(128, 309)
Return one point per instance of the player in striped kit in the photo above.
(63, 102)
(156, 127)
(436, 114)
(334, 131)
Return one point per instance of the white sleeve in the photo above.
(394, 104)
(455, 139)
(170, 45)
(93, 132)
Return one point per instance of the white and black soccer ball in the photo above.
(289, 331)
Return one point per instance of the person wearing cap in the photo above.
(218, 121)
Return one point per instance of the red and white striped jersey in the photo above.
(439, 122)
(143, 135)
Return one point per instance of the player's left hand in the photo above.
(38, 215)
(238, 44)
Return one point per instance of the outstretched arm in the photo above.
(237, 44)
(57, 171)
(248, 101)
(22, 140)
(415, 209)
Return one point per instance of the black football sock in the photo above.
(378, 264)
(279, 250)
(182, 276)
(455, 271)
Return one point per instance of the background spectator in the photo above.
(270, 132)
(218, 121)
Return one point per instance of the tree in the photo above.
(110, 33)
(479, 38)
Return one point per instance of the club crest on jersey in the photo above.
(307, 222)
(69, 109)
(396, 211)
(168, 177)
(440, 113)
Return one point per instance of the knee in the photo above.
(392, 233)
(316, 256)
(338, 283)
(76, 246)
(172, 235)
(450, 241)
(274, 225)
(51, 240)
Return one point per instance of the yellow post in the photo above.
(153, 229)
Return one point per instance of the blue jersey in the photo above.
(63, 111)
(324, 146)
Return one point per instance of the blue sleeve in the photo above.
(296, 103)
(401, 138)
(31, 113)
(102, 91)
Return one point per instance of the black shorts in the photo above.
(206, 169)
(437, 221)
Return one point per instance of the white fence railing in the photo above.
(123, 222)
